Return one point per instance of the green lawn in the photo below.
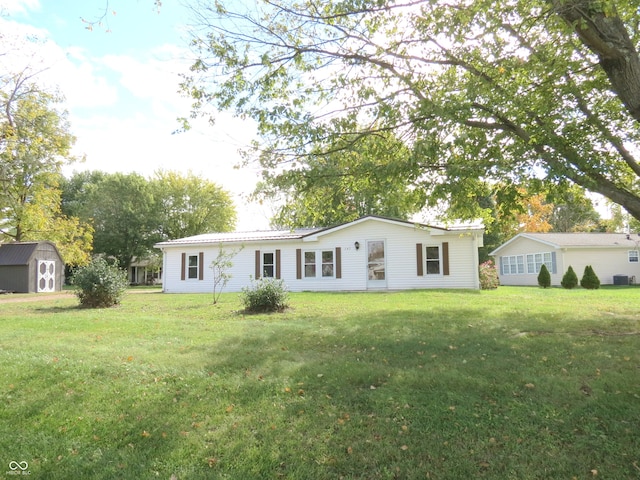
(517, 383)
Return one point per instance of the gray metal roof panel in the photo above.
(17, 253)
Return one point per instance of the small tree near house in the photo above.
(544, 277)
(589, 279)
(220, 267)
(570, 279)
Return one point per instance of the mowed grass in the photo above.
(516, 383)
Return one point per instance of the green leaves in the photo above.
(500, 92)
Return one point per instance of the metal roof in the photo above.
(278, 235)
(234, 237)
(16, 253)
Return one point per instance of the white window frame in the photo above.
(433, 260)
(319, 264)
(193, 269)
(536, 260)
(633, 256)
(512, 265)
(265, 264)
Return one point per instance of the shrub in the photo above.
(589, 279)
(488, 275)
(570, 279)
(99, 285)
(265, 295)
(544, 277)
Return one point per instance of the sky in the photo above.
(120, 83)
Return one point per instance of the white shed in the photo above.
(369, 253)
(613, 256)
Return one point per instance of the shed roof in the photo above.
(20, 253)
(17, 253)
(579, 240)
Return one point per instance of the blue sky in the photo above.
(120, 81)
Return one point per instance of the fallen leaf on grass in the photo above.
(145, 434)
(229, 409)
(404, 447)
(529, 386)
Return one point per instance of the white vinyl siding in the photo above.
(333, 257)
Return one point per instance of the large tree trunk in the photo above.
(606, 35)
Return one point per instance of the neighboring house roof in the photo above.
(579, 240)
(238, 237)
(18, 253)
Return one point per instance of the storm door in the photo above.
(376, 264)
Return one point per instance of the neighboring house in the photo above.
(613, 256)
(29, 267)
(368, 253)
(145, 271)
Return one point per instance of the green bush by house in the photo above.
(570, 279)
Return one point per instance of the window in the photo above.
(433, 260)
(633, 256)
(513, 265)
(268, 265)
(327, 263)
(193, 266)
(311, 265)
(535, 261)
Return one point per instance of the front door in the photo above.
(376, 264)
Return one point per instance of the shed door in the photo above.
(46, 276)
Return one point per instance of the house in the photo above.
(145, 271)
(29, 267)
(613, 256)
(371, 253)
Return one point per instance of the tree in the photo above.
(342, 183)
(589, 279)
(544, 277)
(190, 205)
(122, 211)
(536, 214)
(574, 212)
(569, 279)
(220, 267)
(131, 213)
(512, 92)
(35, 141)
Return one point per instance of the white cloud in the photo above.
(19, 6)
(123, 109)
